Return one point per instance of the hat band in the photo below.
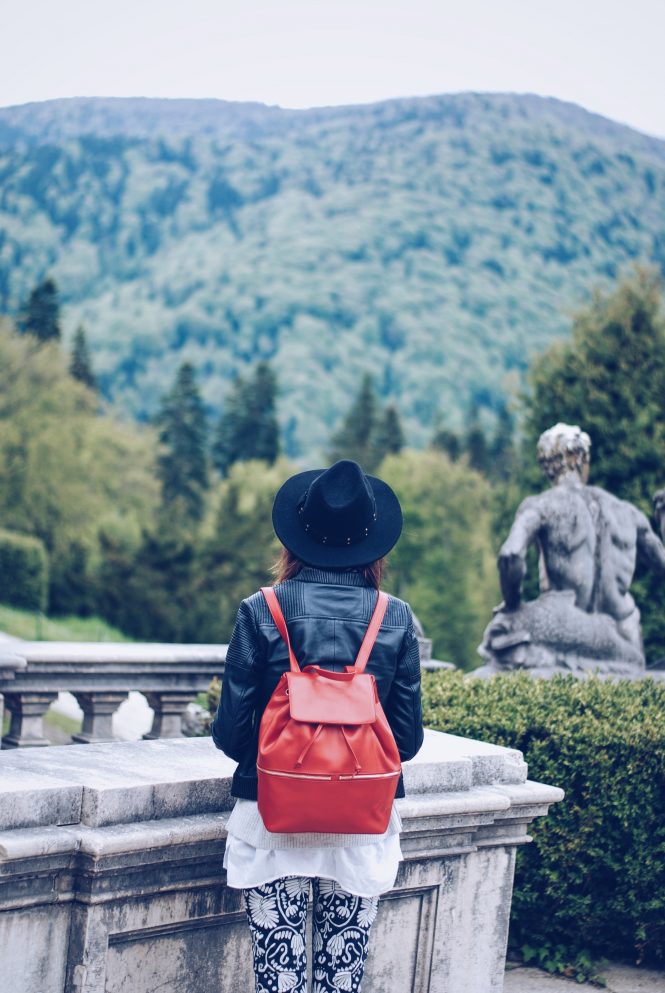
(353, 539)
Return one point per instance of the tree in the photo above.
(182, 464)
(80, 366)
(41, 315)
(444, 563)
(501, 449)
(353, 439)
(248, 427)
(610, 379)
(67, 473)
(475, 443)
(236, 557)
(445, 440)
(388, 435)
(149, 591)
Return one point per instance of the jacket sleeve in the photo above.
(404, 707)
(233, 726)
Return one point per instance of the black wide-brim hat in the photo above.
(337, 517)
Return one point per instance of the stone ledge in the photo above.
(123, 797)
(133, 894)
(118, 782)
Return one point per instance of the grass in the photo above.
(32, 626)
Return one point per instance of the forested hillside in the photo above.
(436, 243)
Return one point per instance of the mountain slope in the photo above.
(434, 242)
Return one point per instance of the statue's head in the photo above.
(563, 451)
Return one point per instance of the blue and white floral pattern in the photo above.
(277, 914)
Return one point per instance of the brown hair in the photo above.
(287, 566)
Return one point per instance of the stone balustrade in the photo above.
(100, 675)
(111, 876)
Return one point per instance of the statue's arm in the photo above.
(659, 510)
(512, 557)
(649, 543)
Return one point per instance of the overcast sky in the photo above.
(604, 54)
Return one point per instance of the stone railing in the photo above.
(100, 675)
(111, 874)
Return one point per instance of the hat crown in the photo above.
(339, 506)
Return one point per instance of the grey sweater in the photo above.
(246, 823)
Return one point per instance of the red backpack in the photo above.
(327, 759)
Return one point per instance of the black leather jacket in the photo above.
(327, 613)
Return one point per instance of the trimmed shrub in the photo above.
(594, 878)
(23, 571)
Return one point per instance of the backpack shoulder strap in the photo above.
(372, 632)
(278, 618)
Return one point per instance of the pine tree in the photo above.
(248, 427)
(445, 440)
(41, 315)
(182, 464)
(353, 439)
(501, 451)
(388, 436)
(475, 443)
(80, 366)
(265, 429)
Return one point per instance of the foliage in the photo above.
(388, 434)
(182, 464)
(23, 571)
(610, 379)
(41, 315)
(80, 366)
(367, 433)
(150, 592)
(443, 563)
(237, 556)
(248, 428)
(594, 878)
(353, 438)
(66, 473)
(582, 966)
(434, 243)
(184, 587)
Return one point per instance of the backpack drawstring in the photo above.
(319, 729)
(309, 745)
(355, 757)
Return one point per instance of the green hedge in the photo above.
(593, 881)
(23, 571)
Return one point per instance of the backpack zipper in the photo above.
(314, 775)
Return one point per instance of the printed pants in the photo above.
(277, 914)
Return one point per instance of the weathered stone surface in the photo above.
(585, 619)
(131, 896)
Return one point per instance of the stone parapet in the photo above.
(101, 675)
(111, 874)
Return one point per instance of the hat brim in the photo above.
(289, 529)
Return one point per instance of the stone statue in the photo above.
(585, 618)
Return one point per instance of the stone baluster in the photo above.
(168, 707)
(27, 709)
(98, 710)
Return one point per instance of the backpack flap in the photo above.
(319, 696)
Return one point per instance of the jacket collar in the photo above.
(331, 577)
